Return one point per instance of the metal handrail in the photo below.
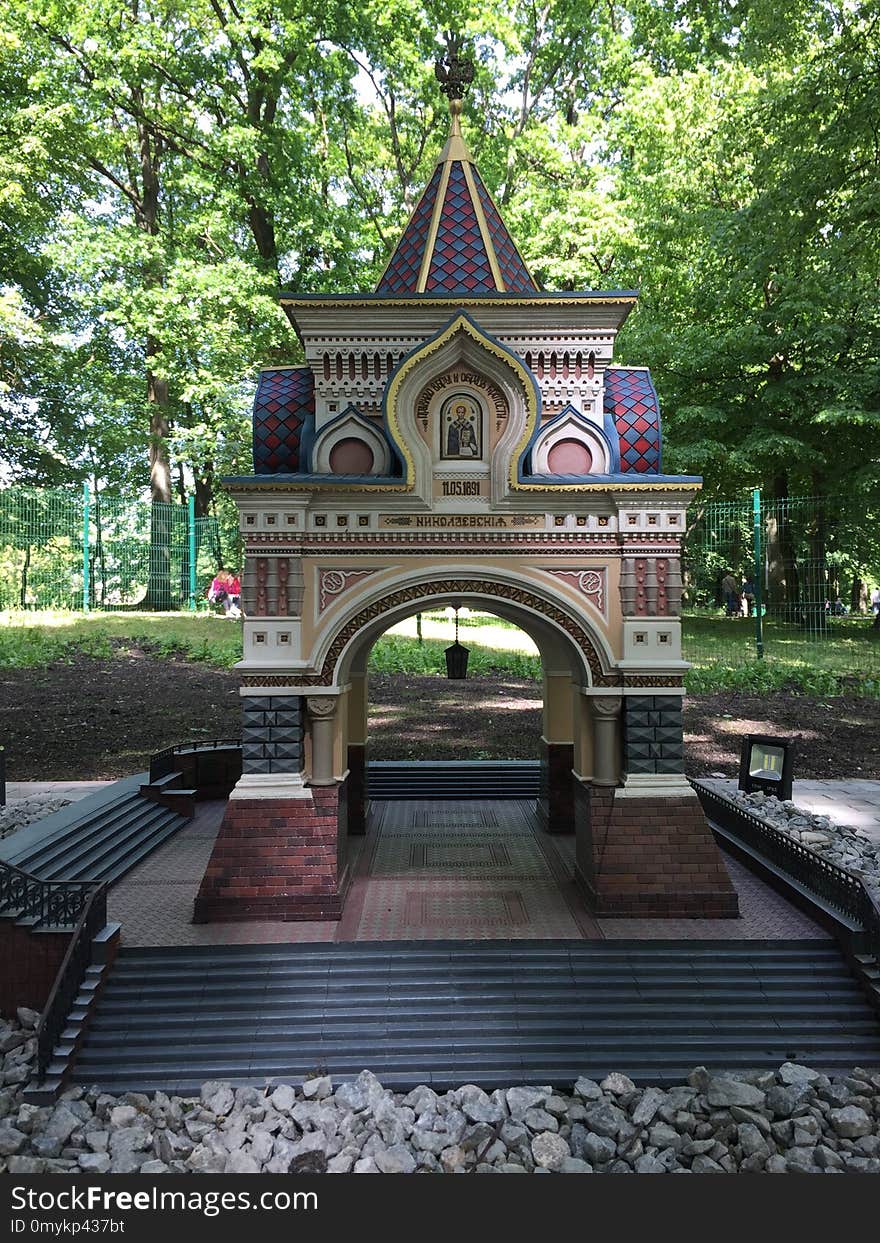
(162, 763)
(837, 887)
(70, 976)
(50, 903)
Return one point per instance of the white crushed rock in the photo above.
(25, 811)
(839, 844)
(793, 1120)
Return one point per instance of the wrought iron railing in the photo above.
(47, 903)
(163, 762)
(837, 888)
(71, 974)
(871, 924)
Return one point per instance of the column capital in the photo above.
(322, 706)
(606, 706)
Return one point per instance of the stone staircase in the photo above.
(453, 779)
(99, 838)
(447, 1013)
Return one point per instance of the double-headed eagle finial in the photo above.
(454, 71)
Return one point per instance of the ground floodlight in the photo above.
(766, 764)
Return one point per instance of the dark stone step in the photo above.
(468, 1012)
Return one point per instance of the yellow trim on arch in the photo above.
(461, 323)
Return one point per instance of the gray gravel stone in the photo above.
(827, 1159)
(549, 1150)
(606, 1119)
(477, 1106)
(720, 1092)
(283, 1098)
(519, 1100)
(395, 1160)
(317, 1089)
(649, 1165)
(587, 1089)
(793, 1072)
(218, 1097)
(94, 1162)
(850, 1122)
(617, 1085)
(786, 1101)
(62, 1123)
(11, 1140)
(540, 1120)
(574, 1165)
(646, 1108)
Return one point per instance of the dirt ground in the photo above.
(104, 718)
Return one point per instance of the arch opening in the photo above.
(416, 712)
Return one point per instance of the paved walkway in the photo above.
(479, 870)
(73, 790)
(853, 802)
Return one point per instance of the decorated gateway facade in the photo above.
(462, 437)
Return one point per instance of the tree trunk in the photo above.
(782, 585)
(205, 490)
(158, 595)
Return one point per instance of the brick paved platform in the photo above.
(432, 871)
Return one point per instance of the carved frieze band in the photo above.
(589, 583)
(453, 587)
(333, 583)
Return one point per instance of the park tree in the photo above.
(169, 165)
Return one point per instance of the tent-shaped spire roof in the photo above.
(455, 241)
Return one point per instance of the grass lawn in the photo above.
(721, 650)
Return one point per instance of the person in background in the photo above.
(875, 607)
(226, 590)
(838, 608)
(748, 595)
(730, 593)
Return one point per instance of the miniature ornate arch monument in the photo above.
(461, 436)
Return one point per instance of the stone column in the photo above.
(606, 714)
(322, 710)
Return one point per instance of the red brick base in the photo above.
(649, 858)
(30, 965)
(277, 859)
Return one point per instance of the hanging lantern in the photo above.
(456, 656)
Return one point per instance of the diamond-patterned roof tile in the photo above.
(459, 261)
(632, 402)
(284, 403)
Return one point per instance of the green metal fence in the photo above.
(812, 563)
(64, 549)
(804, 568)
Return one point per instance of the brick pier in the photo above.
(277, 858)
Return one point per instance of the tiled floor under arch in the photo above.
(479, 870)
